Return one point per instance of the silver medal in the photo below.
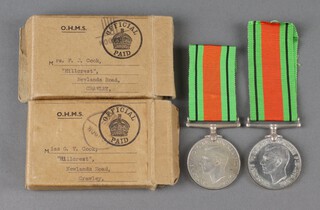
(274, 163)
(213, 164)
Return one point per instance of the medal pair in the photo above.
(274, 163)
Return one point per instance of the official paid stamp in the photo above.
(119, 125)
(122, 39)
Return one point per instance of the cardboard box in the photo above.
(64, 57)
(79, 144)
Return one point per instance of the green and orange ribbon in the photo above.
(272, 64)
(212, 85)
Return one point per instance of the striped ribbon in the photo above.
(272, 60)
(212, 85)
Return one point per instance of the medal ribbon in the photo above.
(212, 85)
(272, 64)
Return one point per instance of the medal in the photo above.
(213, 162)
(274, 162)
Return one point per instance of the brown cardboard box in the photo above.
(64, 57)
(76, 144)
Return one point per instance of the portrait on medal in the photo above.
(214, 162)
(213, 165)
(275, 159)
(275, 163)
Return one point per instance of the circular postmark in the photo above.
(119, 125)
(274, 164)
(122, 39)
(92, 134)
(213, 164)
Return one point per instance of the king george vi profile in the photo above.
(213, 162)
(274, 162)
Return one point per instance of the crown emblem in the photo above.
(121, 41)
(119, 127)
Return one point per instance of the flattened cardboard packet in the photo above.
(126, 139)
(64, 57)
(79, 144)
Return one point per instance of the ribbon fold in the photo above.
(272, 65)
